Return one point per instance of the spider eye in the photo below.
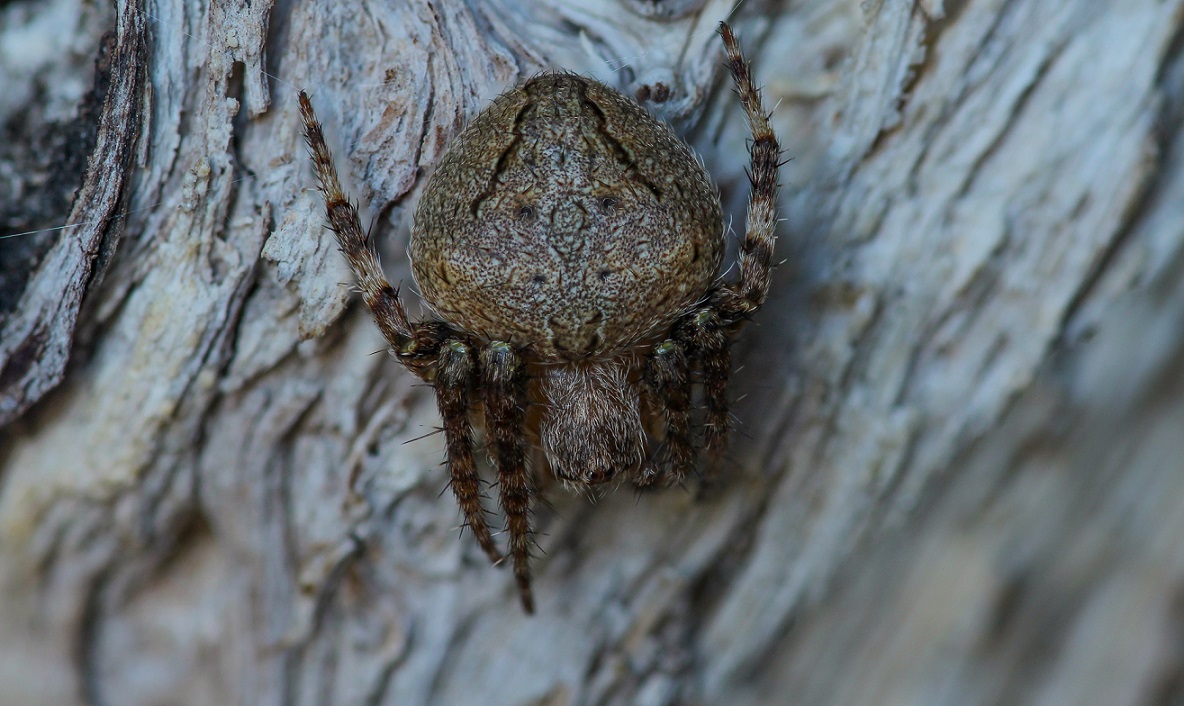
(608, 203)
(525, 212)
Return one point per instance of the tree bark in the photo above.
(956, 474)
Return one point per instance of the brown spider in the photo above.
(569, 243)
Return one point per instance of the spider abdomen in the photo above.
(567, 218)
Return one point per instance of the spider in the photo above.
(569, 244)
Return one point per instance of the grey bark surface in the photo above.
(958, 471)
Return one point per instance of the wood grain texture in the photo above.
(37, 330)
(957, 477)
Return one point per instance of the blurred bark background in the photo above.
(958, 476)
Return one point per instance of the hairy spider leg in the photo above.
(756, 250)
(504, 382)
(745, 296)
(380, 296)
(430, 350)
(748, 294)
(454, 378)
(702, 334)
(667, 375)
(710, 343)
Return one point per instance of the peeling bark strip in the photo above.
(35, 342)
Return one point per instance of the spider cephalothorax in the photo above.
(569, 244)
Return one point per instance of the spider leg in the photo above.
(702, 337)
(756, 250)
(667, 376)
(427, 349)
(409, 341)
(705, 331)
(715, 362)
(504, 384)
(454, 378)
